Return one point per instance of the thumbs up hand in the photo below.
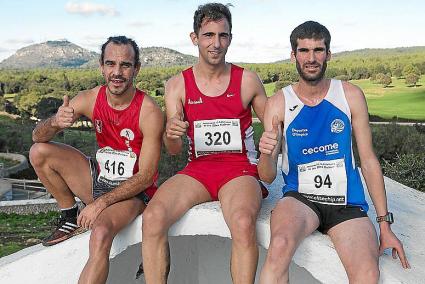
(270, 139)
(65, 115)
(176, 127)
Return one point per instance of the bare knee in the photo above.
(364, 274)
(243, 228)
(38, 154)
(155, 221)
(101, 238)
(281, 248)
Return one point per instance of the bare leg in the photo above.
(240, 201)
(174, 198)
(356, 242)
(64, 171)
(106, 227)
(291, 221)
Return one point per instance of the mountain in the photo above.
(64, 54)
(50, 54)
(381, 52)
(162, 56)
(156, 56)
(375, 53)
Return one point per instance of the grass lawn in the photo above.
(396, 100)
(20, 231)
(269, 89)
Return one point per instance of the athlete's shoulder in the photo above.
(249, 76)
(83, 103)
(150, 103)
(277, 100)
(351, 89)
(177, 81)
(355, 98)
(175, 85)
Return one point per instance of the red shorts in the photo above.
(213, 175)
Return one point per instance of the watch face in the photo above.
(389, 218)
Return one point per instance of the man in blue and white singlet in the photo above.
(312, 123)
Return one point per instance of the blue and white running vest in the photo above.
(317, 155)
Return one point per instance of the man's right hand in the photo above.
(65, 115)
(270, 139)
(176, 127)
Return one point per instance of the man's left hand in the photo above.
(89, 214)
(387, 239)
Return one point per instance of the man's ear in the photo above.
(329, 55)
(293, 59)
(194, 38)
(101, 67)
(137, 68)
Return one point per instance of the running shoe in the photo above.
(66, 227)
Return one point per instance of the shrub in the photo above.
(408, 169)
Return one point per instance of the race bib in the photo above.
(217, 136)
(115, 165)
(323, 182)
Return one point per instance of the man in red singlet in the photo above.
(210, 103)
(116, 185)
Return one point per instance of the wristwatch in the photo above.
(387, 218)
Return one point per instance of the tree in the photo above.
(383, 79)
(411, 69)
(412, 79)
(386, 80)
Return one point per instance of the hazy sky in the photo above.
(261, 28)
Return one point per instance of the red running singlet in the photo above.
(219, 127)
(119, 139)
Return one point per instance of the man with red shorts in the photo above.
(118, 183)
(210, 103)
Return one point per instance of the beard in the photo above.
(120, 89)
(312, 78)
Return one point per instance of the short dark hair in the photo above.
(212, 12)
(310, 29)
(121, 40)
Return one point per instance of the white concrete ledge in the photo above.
(316, 254)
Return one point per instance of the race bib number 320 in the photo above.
(323, 182)
(217, 136)
(115, 165)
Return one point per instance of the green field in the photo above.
(395, 100)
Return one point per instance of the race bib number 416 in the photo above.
(115, 165)
(323, 182)
(217, 136)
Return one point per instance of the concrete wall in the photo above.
(191, 257)
(195, 259)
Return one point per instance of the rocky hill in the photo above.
(50, 54)
(64, 54)
(161, 56)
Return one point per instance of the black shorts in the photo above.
(99, 187)
(329, 215)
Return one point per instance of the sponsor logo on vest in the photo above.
(230, 95)
(337, 126)
(98, 125)
(293, 108)
(199, 101)
(328, 149)
(299, 132)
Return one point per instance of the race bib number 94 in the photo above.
(217, 136)
(323, 182)
(115, 165)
